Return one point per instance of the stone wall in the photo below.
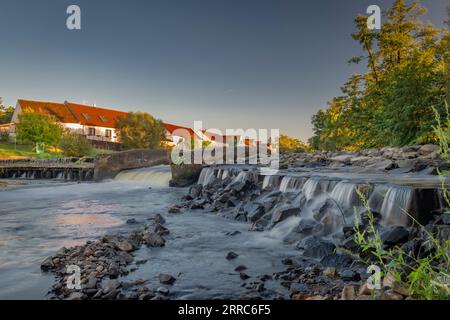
(108, 166)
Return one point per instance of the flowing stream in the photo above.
(39, 217)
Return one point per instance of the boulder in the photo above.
(166, 278)
(315, 247)
(231, 255)
(394, 235)
(284, 213)
(153, 240)
(348, 293)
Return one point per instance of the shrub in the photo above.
(75, 145)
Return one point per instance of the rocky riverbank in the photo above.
(309, 205)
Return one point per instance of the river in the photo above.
(39, 217)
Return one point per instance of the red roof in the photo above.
(95, 116)
(57, 110)
(172, 128)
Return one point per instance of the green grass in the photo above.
(8, 150)
(11, 151)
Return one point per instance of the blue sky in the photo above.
(229, 63)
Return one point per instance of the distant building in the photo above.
(95, 123)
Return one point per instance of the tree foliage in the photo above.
(288, 144)
(38, 129)
(139, 130)
(6, 113)
(73, 144)
(392, 103)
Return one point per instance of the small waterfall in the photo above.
(206, 176)
(157, 175)
(311, 188)
(284, 228)
(244, 176)
(344, 193)
(396, 202)
(270, 181)
(60, 176)
(289, 183)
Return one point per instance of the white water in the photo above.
(397, 203)
(154, 176)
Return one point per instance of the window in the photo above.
(91, 132)
(103, 118)
(108, 133)
(86, 116)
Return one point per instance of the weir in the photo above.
(335, 195)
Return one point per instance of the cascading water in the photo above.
(311, 188)
(207, 175)
(397, 205)
(270, 181)
(157, 175)
(344, 193)
(290, 183)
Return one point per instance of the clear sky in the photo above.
(229, 63)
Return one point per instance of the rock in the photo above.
(364, 290)
(394, 235)
(244, 276)
(329, 272)
(315, 247)
(284, 213)
(298, 288)
(76, 296)
(240, 268)
(153, 240)
(255, 211)
(111, 285)
(163, 291)
(349, 275)
(231, 255)
(159, 219)
(308, 227)
(166, 278)
(348, 293)
(125, 245)
(47, 264)
(427, 149)
(92, 282)
(364, 298)
(160, 230)
(174, 209)
(400, 288)
(195, 190)
(233, 233)
(390, 295)
(131, 221)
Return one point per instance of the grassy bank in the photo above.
(22, 151)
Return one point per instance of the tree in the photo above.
(288, 144)
(6, 113)
(392, 102)
(139, 130)
(73, 144)
(38, 129)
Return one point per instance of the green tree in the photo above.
(139, 130)
(392, 103)
(38, 129)
(73, 144)
(6, 113)
(288, 144)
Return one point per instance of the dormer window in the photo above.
(86, 116)
(103, 118)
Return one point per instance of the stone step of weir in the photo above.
(72, 173)
(388, 194)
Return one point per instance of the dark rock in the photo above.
(231, 255)
(153, 240)
(159, 219)
(160, 230)
(349, 275)
(166, 278)
(255, 211)
(195, 190)
(233, 233)
(315, 247)
(284, 213)
(287, 262)
(299, 288)
(163, 291)
(240, 268)
(244, 276)
(335, 260)
(394, 235)
(131, 221)
(174, 209)
(47, 264)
